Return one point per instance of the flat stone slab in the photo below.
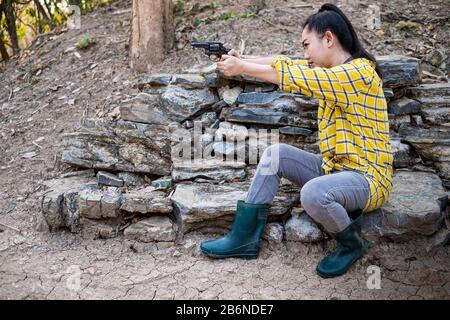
(59, 203)
(212, 169)
(119, 146)
(430, 143)
(415, 207)
(109, 179)
(75, 201)
(198, 205)
(146, 200)
(152, 229)
(399, 71)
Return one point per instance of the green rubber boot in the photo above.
(244, 238)
(350, 248)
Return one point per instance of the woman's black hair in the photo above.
(331, 18)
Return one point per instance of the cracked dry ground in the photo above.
(64, 266)
(36, 265)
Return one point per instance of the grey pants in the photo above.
(326, 198)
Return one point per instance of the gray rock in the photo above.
(258, 116)
(440, 239)
(399, 71)
(144, 108)
(432, 90)
(95, 203)
(152, 229)
(294, 131)
(276, 100)
(214, 81)
(396, 121)
(131, 179)
(300, 227)
(207, 139)
(435, 100)
(229, 149)
(252, 87)
(417, 119)
(100, 229)
(402, 153)
(230, 95)
(146, 200)
(231, 132)
(119, 146)
(212, 169)
(404, 106)
(430, 143)
(259, 99)
(153, 80)
(201, 205)
(436, 57)
(218, 106)
(59, 203)
(436, 116)
(274, 232)
(208, 119)
(189, 81)
(415, 207)
(109, 179)
(181, 104)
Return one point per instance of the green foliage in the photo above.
(21, 32)
(179, 7)
(212, 5)
(246, 14)
(228, 15)
(31, 12)
(196, 22)
(85, 42)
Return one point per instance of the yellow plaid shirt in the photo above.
(352, 118)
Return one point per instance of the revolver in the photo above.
(211, 48)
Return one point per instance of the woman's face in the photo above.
(317, 48)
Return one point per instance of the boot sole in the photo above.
(247, 256)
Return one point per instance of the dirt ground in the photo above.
(50, 90)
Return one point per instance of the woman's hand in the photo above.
(230, 65)
(233, 53)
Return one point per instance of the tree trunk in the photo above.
(41, 10)
(3, 53)
(11, 24)
(50, 15)
(152, 33)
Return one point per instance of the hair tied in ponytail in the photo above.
(331, 18)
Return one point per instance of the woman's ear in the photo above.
(329, 38)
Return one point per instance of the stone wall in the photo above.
(135, 182)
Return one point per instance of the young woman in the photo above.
(353, 173)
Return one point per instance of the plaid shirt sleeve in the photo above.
(339, 85)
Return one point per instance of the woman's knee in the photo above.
(313, 197)
(275, 150)
(272, 157)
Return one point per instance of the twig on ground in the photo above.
(8, 226)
